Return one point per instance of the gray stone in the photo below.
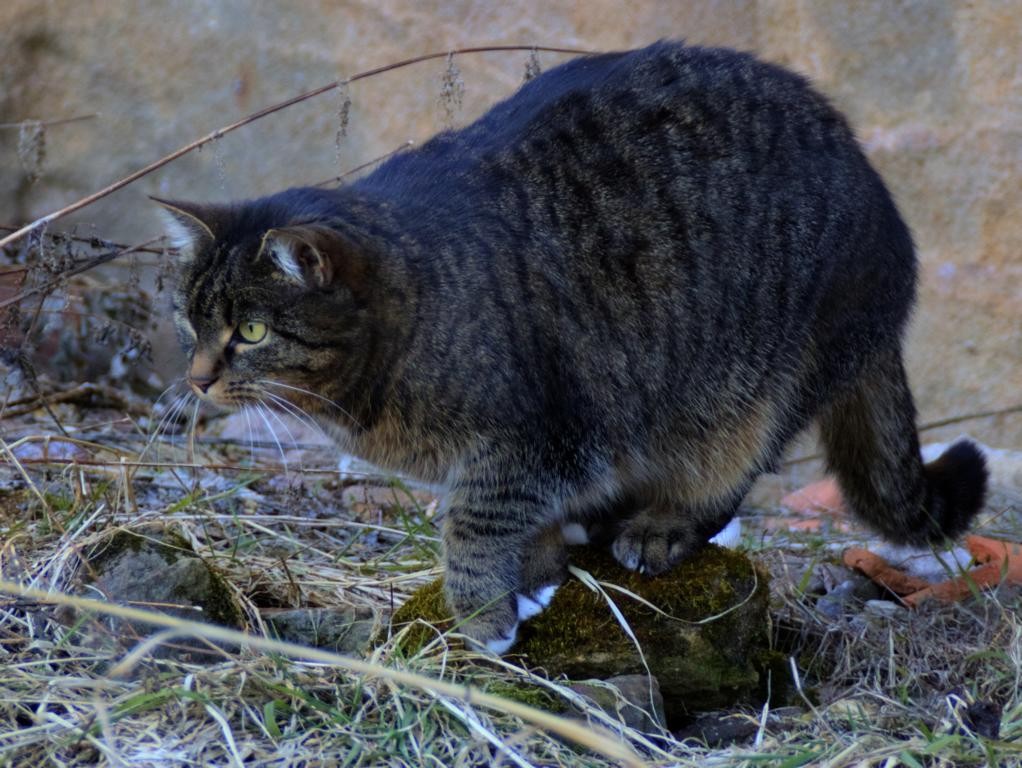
(345, 630)
(883, 608)
(159, 571)
(835, 603)
(635, 700)
(847, 596)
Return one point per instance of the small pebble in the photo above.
(884, 608)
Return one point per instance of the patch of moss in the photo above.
(219, 606)
(775, 681)
(702, 651)
(134, 541)
(706, 652)
(533, 695)
(59, 502)
(427, 604)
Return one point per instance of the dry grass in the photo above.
(874, 690)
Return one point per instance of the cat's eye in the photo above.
(252, 331)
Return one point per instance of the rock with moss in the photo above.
(156, 570)
(635, 700)
(707, 644)
(340, 629)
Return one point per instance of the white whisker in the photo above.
(169, 418)
(313, 394)
(251, 435)
(158, 426)
(287, 429)
(191, 441)
(297, 412)
(261, 410)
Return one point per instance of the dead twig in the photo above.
(379, 159)
(274, 468)
(77, 270)
(89, 394)
(94, 242)
(219, 132)
(51, 123)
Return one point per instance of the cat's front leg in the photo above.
(490, 532)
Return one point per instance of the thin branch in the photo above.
(970, 417)
(273, 468)
(82, 267)
(51, 123)
(214, 135)
(334, 179)
(94, 242)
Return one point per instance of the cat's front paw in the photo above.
(494, 629)
(652, 545)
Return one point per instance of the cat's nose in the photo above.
(202, 383)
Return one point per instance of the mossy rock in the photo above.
(424, 612)
(707, 652)
(156, 569)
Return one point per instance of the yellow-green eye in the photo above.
(252, 331)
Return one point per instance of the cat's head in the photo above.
(271, 298)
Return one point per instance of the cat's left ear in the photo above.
(190, 226)
(315, 256)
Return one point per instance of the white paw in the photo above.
(730, 535)
(527, 607)
(546, 594)
(501, 645)
(531, 605)
(574, 534)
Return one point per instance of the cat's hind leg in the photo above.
(869, 432)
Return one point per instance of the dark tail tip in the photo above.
(957, 483)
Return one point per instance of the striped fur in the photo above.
(611, 300)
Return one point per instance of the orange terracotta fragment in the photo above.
(883, 573)
(988, 575)
(986, 550)
(1001, 562)
(821, 496)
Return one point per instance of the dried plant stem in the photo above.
(276, 468)
(77, 270)
(213, 135)
(596, 739)
(95, 242)
(969, 417)
(51, 123)
(363, 166)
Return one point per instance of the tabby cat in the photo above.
(610, 301)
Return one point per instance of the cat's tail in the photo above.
(870, 437)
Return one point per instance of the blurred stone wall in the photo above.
(934, 88)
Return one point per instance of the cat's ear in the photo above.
(190, 226)
(315, 256)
